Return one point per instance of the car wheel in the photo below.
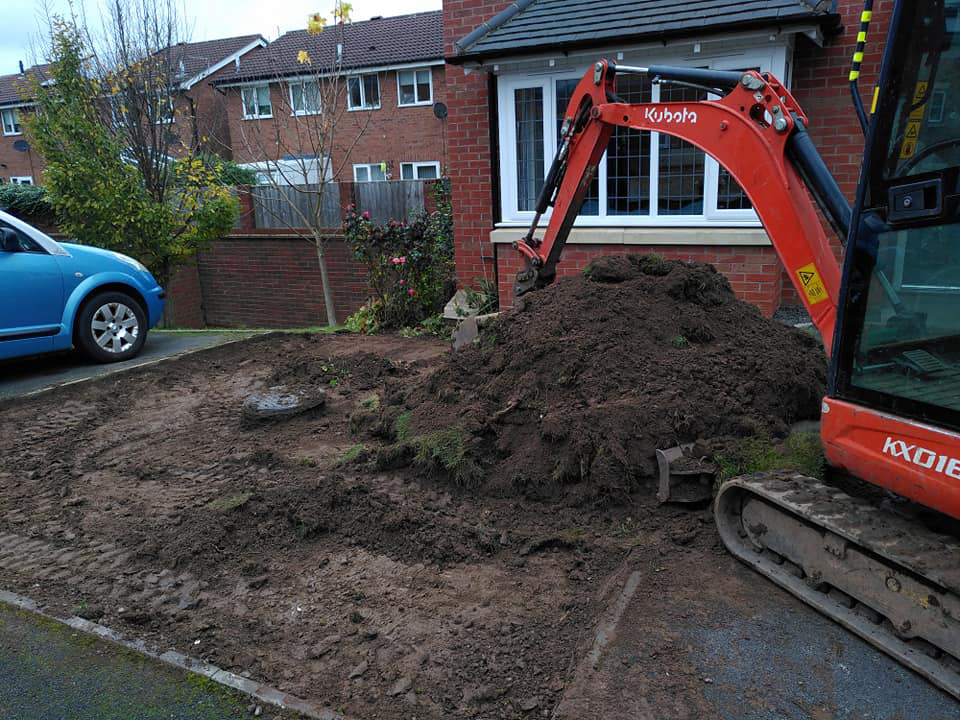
(111, 327)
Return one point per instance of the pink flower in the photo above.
(395, 261)
(366, 215)
(410, 291)
(402, 260)
(403, 282)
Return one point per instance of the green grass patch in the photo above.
(800, 451)
(446, 450)
(402, 427)
(353, 454)
(371, 402)
(232, 502)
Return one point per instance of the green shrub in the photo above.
(409, 264)
(26, 201)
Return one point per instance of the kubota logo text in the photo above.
(923, 457)
(670, 116)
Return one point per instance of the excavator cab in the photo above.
(898, 332)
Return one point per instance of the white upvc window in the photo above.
(165, 110)
(363, 92)
(305, 97)
(644, 178)
(11, 122)
(21, 180)
(419, 170)
(256, 102)
(370, 172)
(414, 87)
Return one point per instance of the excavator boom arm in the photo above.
(748, 131)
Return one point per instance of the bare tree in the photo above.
(303, 134)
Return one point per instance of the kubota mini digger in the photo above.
(890, 321)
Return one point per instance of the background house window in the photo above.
(165, 112)
(644, 178)
(22, 180)
(370, 172)
(419, 170)
(11, 122)
(415, 87)
(256, 102)
(305, 97)
(363, 92)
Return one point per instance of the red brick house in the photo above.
(513, 67)
(389, 114)
(198, 114)
(19, 164)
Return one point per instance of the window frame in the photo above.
(16, 125)
(417, 103)
(256, 90)
(415, 166)
(19, 179)
(773, 57)
(367, 166)
(363, 92)
(302, 84)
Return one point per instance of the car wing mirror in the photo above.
(9, 242)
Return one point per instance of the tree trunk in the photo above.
(325, 281)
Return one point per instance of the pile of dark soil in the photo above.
(570, 393)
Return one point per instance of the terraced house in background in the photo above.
(19, 164)
(196, 114)
(387, 108)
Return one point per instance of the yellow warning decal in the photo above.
(812, 284)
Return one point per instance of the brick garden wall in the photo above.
(819, 83)
(265, 279)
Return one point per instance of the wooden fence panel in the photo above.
(390, 200)
(294, 206)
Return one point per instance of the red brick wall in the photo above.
(819, 83)
(19, 164)
(391, 134)
(265, 280)
(471, 161)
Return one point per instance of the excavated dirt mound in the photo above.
(569, 393)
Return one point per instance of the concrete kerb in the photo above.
(264, 693)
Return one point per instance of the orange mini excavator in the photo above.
(882, 557)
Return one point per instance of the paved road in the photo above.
(50, 672)
(23, 376)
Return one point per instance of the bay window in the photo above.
(645, 178)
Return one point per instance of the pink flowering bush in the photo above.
(409, 264)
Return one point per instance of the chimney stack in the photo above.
(21, 67)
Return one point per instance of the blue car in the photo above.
(54, 296)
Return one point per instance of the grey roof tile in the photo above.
(542, 24)
(371, 43)
(13, 88)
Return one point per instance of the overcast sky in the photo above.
(210, 19)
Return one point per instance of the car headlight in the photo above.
(127, 259)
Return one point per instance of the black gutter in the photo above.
(830, 22)
(490, 25)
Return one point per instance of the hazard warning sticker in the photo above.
(812, 284)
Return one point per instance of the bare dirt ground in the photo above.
(143, 501)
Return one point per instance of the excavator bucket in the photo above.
(684, 477)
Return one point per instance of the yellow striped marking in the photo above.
(854, 75)
(858, 57)
(861, 37)
(867, 16)
(876, 98)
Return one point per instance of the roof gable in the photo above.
(370, 43)
(13, 88)
(536, 25)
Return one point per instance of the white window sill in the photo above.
(707, 235)
(11, 134)
(304, 113)
(258, 117)
(416, 104)
(369, 107)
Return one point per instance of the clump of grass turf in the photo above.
(446, 450)
(355, 454)
(371, 402)
(402, 427)
(231, 502)
(800, 451)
